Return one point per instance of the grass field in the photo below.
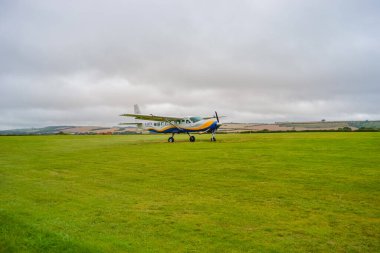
(288, 192)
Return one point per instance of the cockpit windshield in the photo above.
(195, 119)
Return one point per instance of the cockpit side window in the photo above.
(195, 119)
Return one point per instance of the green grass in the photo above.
(289, 192)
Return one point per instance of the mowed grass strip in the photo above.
(288, 192)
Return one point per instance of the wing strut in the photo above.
(172, 124)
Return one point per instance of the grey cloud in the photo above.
(87, 61)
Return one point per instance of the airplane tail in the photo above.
(137, 110)
(139, 125)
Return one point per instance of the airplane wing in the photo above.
(151, 117)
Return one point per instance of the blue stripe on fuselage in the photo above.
(212, 127)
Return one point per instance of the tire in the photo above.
(171, 139)
(192, 138)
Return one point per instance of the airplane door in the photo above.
(189, 122)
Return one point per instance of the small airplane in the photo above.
(175, 125)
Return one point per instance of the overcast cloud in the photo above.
(86, 62)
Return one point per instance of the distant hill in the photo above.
(226, 127)
(70, 130)
(36, 131)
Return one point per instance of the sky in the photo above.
(86, 62)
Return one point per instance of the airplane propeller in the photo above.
(216, 116)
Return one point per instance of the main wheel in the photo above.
(213, 139)
(171, 139)
(192, 138)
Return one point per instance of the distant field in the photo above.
(284, 192)
(375, 124)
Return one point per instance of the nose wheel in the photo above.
(213, 136)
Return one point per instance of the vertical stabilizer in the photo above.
(137, 109)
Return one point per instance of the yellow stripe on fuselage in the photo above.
(208, 123)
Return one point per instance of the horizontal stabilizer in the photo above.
(138, 125)
(130, 124)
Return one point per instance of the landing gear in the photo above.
(192, 138)
(171, 139)
(213, 136)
